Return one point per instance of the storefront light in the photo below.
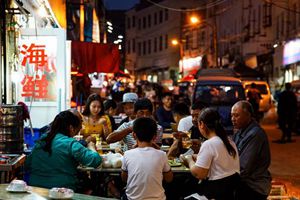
(42, 12)
(16, 76)
(120, 36)
(109, 23)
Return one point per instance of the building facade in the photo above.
(149, 31)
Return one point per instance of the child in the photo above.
(144, 168)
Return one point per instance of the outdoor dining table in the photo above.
(37, 193)
(179, 169)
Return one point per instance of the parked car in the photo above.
(220, 92)
(296, 90)
(264, 88)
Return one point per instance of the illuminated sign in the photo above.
(291, 52)
(38, 60)
(190, 64)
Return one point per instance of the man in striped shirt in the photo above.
(142, 108)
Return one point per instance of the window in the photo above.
(166, 14)
(149, 46)
(133, 21)
(258, 20)
(202, 38)
(133, 46)
(299, 14)
(128, 46)
(144, 48)
(194, 41)
(166, 42)
(128, 23)
(187, 40)
(144, 22)
(160, 43)
(277, 27)
(294, 17)
(155, 44)
(155, 18)
(282, 23)
(139, 48)
(149, 21)
(139, 24)
(267, 15)
(160, 16)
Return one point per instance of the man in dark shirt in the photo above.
(164, 112)
(254, 151)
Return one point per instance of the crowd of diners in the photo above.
(222, 166)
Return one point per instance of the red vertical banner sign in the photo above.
(38, 64)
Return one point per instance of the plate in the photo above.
(174, 164)
(18, 191)
(67, 197)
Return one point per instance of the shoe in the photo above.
(279, 141)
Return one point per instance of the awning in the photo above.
(122, 74)
(95, 57)
(190, 77)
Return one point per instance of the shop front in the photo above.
(291, 60)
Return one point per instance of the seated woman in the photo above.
(55, 157)
(96, 124)
(217, 163)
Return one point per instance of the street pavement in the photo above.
(285, 158)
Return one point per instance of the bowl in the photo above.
(61, 193)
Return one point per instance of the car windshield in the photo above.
(219, 94)
(261, 87)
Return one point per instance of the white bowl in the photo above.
(61, 193)
(17, 186)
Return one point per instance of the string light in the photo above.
(206, 6)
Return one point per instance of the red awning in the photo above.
(95, 57)
(190, 77)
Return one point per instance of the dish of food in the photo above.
(61, 193)
(173, 163)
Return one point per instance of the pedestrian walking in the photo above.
(254, 97)
(287, 113)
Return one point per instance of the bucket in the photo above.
(11, 129)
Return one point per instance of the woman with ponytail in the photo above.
(55, 157)
(217, 163)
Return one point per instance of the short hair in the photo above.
(145, 129)
(109, 103)
(288, 86)
(181, 109)
(198, 105)
(165, 94)
(246, 106)
(253, 85)
(142, 104)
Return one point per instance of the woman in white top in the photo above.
(217, 163)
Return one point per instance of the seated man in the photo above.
(164, 112)
(142, 108)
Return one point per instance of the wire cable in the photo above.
(282, 7)
(206, 6)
